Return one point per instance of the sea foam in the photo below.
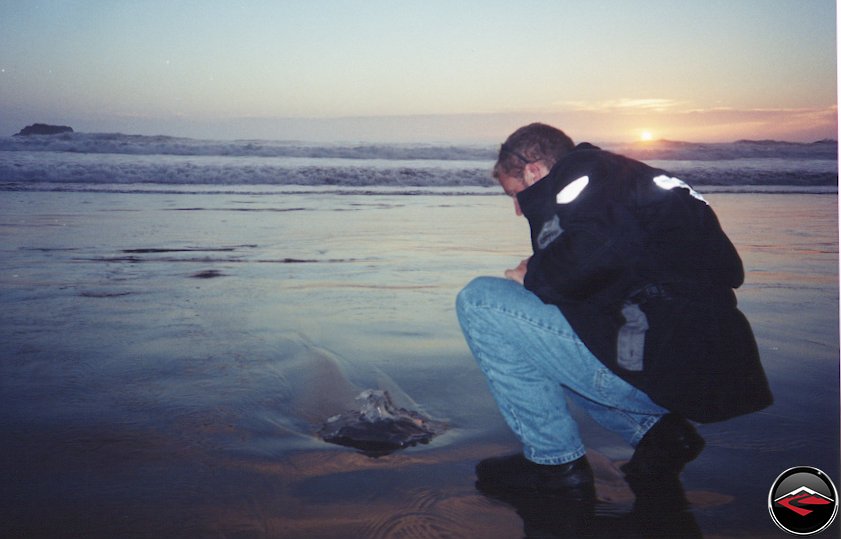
(112, 161)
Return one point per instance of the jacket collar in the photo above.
(534, 196)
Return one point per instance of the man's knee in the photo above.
(479, 291)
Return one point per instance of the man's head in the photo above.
(528, 155)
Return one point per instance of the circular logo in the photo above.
(803, 501)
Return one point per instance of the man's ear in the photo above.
(534, 172)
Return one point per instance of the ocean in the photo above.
(178, 319)
(132, 163)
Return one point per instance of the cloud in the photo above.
(633, 106)
(622, 105)
(787, 123)
(621, 119)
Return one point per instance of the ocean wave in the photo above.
(123, 144)
(741, 149)
(43, 167)
(36, 162)
(30, 168)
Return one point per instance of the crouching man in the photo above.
(625, 307)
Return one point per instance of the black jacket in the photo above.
(637, 262)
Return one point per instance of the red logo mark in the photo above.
(799, 499)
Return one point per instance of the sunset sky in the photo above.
(377, 70)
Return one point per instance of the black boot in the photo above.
(516, 474)
(665, 449)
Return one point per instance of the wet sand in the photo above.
(166, 360)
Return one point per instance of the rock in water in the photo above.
(43, 129)
(378, 427)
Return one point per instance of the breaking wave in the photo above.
(114, 161)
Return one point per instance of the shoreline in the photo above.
(409, 190)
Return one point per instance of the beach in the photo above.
(168, 358)
(233, 234)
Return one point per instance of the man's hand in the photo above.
(519, 273)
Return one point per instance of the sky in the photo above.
(426, 71)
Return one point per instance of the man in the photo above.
(626, 308)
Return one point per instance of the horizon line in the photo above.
(637, 143)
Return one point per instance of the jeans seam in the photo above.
(600, 377)
(489, 375)
(517, 315)
(562, 459)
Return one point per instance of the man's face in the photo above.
(513, 185)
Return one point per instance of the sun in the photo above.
(646, 136)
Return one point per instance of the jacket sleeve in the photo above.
(598, 241)
(724, 264)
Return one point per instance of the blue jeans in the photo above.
(533, 361)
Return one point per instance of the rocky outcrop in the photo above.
(43, 129)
